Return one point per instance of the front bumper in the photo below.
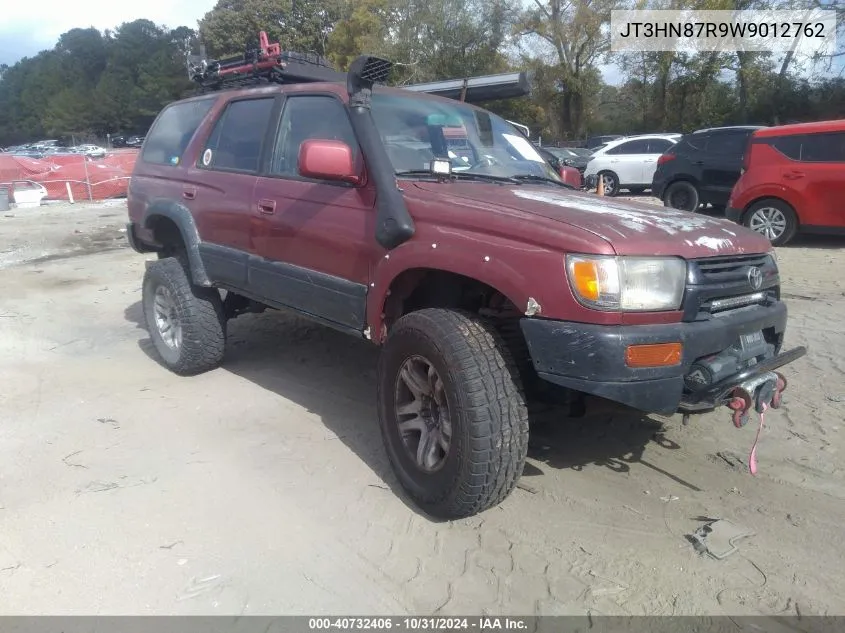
(591, 358)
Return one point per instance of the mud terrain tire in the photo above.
(197, 311)
(479, 384)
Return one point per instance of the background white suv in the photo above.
(629, 162)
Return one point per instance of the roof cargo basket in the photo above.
(267, 63)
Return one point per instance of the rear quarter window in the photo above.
(168, 139)
(694, 143)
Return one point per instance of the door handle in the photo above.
(793, 175)
(189, 193)
(698, 162)
(267, 207)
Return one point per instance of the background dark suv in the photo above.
(701, 168)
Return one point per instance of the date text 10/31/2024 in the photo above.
(402, 624)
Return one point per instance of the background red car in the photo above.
(793, 180)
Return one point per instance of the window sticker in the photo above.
(206, 157)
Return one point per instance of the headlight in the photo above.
(627, 283)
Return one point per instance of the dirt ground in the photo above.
(262, 487)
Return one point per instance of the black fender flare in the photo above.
(184, 221)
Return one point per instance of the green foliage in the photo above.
(439, 39)
(298, 25)
(94, 83)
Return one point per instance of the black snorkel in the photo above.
(394, 224)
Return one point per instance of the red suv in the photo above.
(793, 180)
(484, 279)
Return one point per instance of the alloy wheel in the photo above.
(167, 319)
(422, 413)
(768, 221)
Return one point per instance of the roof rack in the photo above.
(265, 63)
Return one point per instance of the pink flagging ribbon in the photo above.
(752, 459)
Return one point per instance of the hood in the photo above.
(633, 228)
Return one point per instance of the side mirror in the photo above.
(323, 159)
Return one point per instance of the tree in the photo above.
(569, 36)
(298, 25)
(364, 29)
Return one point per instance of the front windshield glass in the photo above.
(415, 131)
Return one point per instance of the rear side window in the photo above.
(827, 147)
(169, 137)
(631, 147)
(789, 146)
(236, 142)
(658, 145)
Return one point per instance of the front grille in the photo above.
(721, 285)
(717, 269)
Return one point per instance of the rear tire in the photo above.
(479, 418)
(682, 195)
(773, 219)
(184, 321)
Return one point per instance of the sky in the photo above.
(24, 31)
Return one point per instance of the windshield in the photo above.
(415, 131)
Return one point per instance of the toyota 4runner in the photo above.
(482, 277)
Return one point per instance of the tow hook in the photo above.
(760, 393)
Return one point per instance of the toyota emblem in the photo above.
(755, 277)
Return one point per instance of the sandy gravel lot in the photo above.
(262, 487)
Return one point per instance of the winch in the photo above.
(757, 392)
(746, 352)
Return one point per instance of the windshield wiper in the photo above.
(460, 175)
(533, 178)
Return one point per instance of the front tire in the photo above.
(452, 412)
(185, 322)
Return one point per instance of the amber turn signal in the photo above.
(657, 355)
(586, 277)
